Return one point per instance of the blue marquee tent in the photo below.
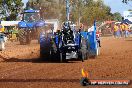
(126, 21)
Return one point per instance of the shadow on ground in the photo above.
(40, 80)
(38, 60)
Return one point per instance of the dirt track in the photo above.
(19, 67)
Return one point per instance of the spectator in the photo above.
(122, 26)
(98, 37)
(126, 30)
(115, 30)
(118, 30)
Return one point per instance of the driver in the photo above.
(31, 18)
(68, 33)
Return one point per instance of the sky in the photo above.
(116, 5)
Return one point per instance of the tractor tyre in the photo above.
(44, 52)
(53, 50)
(22, 36)
(62, 57)
(81, 55)
(87, 55)
(44, 55)
(48, 49)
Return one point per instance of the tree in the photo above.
(117, 16)
(49, 8)
(11, 8)
(83, 11)
(130, 10)
(91, 10)
(126, 1)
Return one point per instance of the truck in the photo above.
(30, 26)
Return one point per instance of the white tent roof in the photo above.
(9, 23)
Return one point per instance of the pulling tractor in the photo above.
(30, 26)
(68, 43)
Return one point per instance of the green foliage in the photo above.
(125, 1)
(91, 10)
(49, 8)
(84, 11)
(13, 7)
(117, 16)
(130, 10)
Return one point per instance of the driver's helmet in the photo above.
(66, 25)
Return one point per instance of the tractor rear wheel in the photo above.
(48, 49)
(24, 36)
(62, 57)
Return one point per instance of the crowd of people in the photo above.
(122, 30)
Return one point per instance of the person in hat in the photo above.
(122, 27)
(126, 30)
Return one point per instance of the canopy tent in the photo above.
(126, 21)
(9, 23)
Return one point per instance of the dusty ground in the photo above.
(19, 67)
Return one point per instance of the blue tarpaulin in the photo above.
(126, 21)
